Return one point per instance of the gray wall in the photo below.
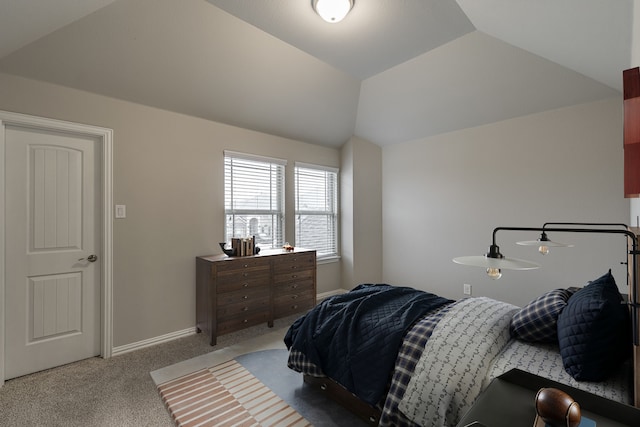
(168, 171)
(443, 196)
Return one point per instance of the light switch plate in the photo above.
(121, 211)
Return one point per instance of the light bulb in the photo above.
(332, 10)
(543, 249)
(494, 273)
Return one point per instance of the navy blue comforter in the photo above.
(355, 337)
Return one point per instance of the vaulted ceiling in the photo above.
(391, 71)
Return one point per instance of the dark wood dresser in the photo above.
(233, 293)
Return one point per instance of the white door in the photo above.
(52, 244)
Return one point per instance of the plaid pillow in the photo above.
(537, 321)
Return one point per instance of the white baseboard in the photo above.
(152, 341)
(190, 331)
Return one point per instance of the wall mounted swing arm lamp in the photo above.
(544, 243)
(494, 261)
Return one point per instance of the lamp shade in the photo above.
(549, 243)
(544, 244)
(332, 10)
(496, 263)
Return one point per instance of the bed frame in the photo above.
(345, 398)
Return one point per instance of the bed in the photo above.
(398, 356)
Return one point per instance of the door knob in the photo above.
(90, 258)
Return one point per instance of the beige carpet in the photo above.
(119, 391)
(226, 395)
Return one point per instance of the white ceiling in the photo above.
(392, 71)
(375, 35)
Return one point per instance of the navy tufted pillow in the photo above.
(593, 331)
(538, 320)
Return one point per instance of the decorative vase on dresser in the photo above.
(233, 293)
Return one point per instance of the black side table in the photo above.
(509, 401)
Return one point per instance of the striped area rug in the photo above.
(226, 395)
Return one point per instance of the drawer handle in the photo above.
(293, 267)
(245, 297)
(246, 265)
(245, 274)
(245, 321)
(323, 387)
(245, 285)
(294, 306)
(294, 276)
(294, 296)
(245, 309)
(294, 286)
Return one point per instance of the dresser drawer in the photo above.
(301, 295)
(291, 288)
(245, 279)
(294, 262)
(242, 295)
(241, 307)
(293, 276)
(243, 263)
(242, 321)
(289, 306)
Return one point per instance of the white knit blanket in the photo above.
(457, 357)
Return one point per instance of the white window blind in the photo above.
(254, 198)
(317, 209)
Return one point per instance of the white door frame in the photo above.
(105, 141)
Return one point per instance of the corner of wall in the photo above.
(361, 212)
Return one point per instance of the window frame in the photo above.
(277, 213)
(334, 213)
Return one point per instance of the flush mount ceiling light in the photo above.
(332, 10)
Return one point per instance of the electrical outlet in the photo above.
(467, 289)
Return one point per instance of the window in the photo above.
(317, 209)
(254, 198)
